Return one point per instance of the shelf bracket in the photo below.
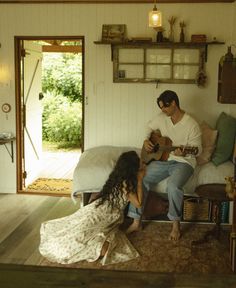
(112, 53)
(206, 48)
(9, 151)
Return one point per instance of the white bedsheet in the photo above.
(96, 164)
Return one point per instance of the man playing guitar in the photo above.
(183, 131)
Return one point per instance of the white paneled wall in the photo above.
(115, 114)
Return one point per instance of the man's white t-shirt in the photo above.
(186, 132)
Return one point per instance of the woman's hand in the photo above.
(148, 146)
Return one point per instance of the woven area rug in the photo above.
(158, 254)
(51, 185)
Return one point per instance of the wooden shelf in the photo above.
(161, 44)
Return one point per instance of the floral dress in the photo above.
(80, 236)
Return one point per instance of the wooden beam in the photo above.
(111, 1)
(28, 276)
(62, 49)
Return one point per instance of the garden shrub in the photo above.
(62, 120)
(62, 74)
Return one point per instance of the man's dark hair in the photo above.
(167, 97)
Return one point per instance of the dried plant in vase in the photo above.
(171, 21)
(182, 25)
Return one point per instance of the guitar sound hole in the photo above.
(155, 148)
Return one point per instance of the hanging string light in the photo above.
(155, 19)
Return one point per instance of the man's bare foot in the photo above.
(104, 249)
(175, 233)
(135, 226)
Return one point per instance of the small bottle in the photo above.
(181, 36)
(229, 56)
(159, 36)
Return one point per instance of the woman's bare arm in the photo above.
(137, 198)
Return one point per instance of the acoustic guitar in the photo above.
(162, 148)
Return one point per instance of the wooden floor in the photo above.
(20, 220)
(59, 164)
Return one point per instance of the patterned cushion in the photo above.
(209, 136)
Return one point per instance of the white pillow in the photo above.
(94, 167)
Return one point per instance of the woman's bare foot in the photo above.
(175, 233)
(104, 249)
(135, 226)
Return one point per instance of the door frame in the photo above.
(18, 41)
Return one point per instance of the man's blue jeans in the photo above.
(157, 171)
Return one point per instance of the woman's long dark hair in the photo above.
(125, 170)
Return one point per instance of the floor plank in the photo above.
(23, 229)
(24, 251)
(19, 242)
(14, 210)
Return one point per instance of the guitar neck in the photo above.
(188, 150)
(168, 148)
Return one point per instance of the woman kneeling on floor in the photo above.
(92, 232)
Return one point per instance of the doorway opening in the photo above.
(49, 112)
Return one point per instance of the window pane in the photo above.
(130, 55)
(131, 71)
(158, 72)
(186, 56)
(185, 72)
(158, 55)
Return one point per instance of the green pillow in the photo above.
(226, 126)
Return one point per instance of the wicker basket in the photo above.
(196, 209)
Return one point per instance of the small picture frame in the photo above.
(113, 32)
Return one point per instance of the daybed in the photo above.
(214, 163)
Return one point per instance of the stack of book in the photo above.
(224, 212)
(198, 38)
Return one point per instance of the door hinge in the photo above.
(24, 115)
(23, 52)
(24, 176)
